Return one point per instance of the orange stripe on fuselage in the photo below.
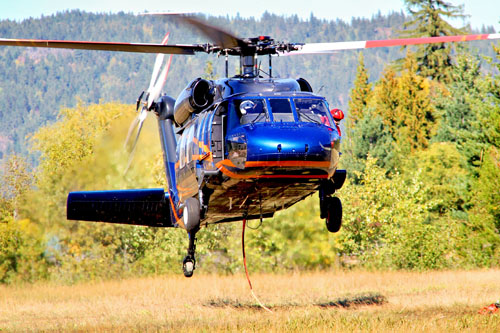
(224, 163)
(314, 164)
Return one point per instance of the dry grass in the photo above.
(335, 301)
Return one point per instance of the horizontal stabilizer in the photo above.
(149, 207)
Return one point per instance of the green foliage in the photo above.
(209, 71)
(36, 83)
(487, 186)
(409, 221)
(423, 159)
(404, 103)
(21, 242)
(429, 20)
(370, 137)
(463, 108)
(399, 119)
(22, 256)
(441, 168)
(414, 114)
(384, 225)
(360, 94)
(83, 152)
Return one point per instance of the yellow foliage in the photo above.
(405, 104)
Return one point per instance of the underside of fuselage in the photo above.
(240, 198)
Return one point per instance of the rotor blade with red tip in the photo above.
(105, 46)
(312, 48)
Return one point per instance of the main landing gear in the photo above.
(331, 211)
(333, 214)
(191, 219)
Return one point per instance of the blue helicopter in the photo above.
(238, 148)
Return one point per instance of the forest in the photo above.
(421, 145)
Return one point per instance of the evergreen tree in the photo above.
(360, 94)
(386, 99)
(415, 113)
(401, 119)
(461, 106)
(429, 16)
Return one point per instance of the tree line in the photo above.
(421, 146)
(36, 83)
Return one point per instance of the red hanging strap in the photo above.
(246, 269)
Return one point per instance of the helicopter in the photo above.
(236, 148)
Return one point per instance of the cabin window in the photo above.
(313, 111)
(190, 144)
(182, 150)
(281, 109)
(250, 110)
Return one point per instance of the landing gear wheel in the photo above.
(188, 265)
(333, 214)
(191, 214)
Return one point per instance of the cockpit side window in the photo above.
(190, 146)
(281, 109)
(182, 151)
(313, 111)
(249, 110)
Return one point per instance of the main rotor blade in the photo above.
(105, 46)
(313, 48)
(220, 37)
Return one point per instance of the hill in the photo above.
(36, 83)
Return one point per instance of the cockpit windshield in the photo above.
(313, 111)
(281, 109)
(250, 110)
(254, 109)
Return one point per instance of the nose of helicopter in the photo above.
(274, 149)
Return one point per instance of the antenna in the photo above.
(227, 65)
(270, 67)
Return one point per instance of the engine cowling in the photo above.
(198, 95)
(304, 85)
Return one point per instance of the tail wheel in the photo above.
(191, 214)
(188, 266)
(334, 214)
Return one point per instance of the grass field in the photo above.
(333, 301)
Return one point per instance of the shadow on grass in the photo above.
(358, 300)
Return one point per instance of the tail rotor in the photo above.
(146, 100)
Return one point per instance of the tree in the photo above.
(385, 223)
(461, 107)
(209, 71)
(22, 243)
(415, 112)
(434, 60)
(360, 94)
(400, 119)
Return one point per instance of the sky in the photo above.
(481, 12)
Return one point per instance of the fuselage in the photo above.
(262, 146)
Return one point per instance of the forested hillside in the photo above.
(36, 83)
(421, 146)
